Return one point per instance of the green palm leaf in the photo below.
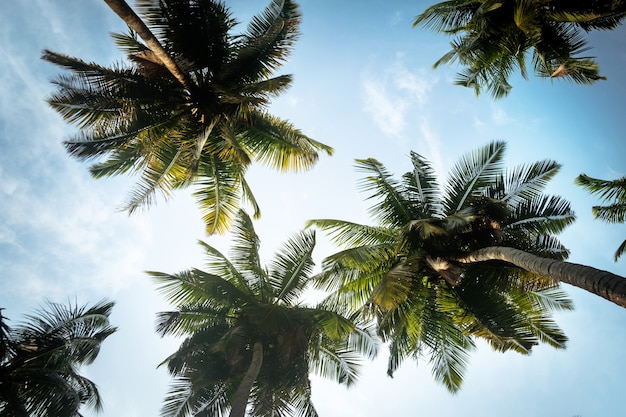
(471, 174)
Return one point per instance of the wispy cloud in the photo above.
(391, 93)
(387, 110)
(500, 116)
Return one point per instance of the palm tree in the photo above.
(249, 342)
(441, 268)
(190, 108)
(613, 192)
(40, 360)
(493, 38)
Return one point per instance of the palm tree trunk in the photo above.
(605, 284)
(240, 399)
(123, 10)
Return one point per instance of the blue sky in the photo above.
(364, 85)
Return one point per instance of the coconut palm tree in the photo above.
(249, 342)
(493, 38)
(40, 360)
(612, 192)
(441, 267)
(190, 106)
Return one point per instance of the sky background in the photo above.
(364, 84)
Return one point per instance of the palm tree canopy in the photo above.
(612, 192)
(236, 303)
(40, 360)
(202, 126)
(404, 272)
(493, 38)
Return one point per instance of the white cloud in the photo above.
(499, 116)
(392, 94)
(388, 111)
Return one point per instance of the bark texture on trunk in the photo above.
(123, 10)
(603, 283)
(240, 399)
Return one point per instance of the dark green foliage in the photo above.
(405, 271)
(40, 360)
(612, 192)
(237, 303)
(492, 38)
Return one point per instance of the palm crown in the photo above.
(40, 360)
(404, 270)
(238, 315)
(612, 192)
(203, 127)
(494, 37)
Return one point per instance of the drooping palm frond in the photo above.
(41, 358)
(607, 190)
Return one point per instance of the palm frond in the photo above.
(541, 215)
(278, 144)
(424, 181)
(218, 193)
(526, 182)
(352, 234)
(613, 213)
(392, 208)
(471, 174)
(268, 41)
(220, 265)
(607, 190)
(291, 268)
(197, 287)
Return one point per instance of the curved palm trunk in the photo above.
(123, 10)
(240, 399)
(605, 284)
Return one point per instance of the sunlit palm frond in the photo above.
(163, 173)
(449, 354)
(189, 319)
(471, 174)
(219, 264)
(245, 252)
(391, 207)
(196, 287)
(352, 234)
(526, 182)
(278, 144)
(422, 183)
(219, 193)
(290, 270)
(355, 272)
